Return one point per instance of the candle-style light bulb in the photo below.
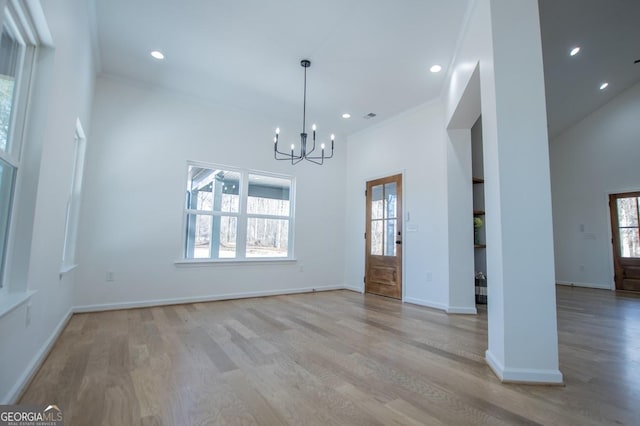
(277, 130)
(275, 139)
(332, 137)
(292, 146)
(313, 127)
(322, 146)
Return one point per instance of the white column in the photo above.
(523, 340)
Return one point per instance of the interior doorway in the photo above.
(625, 230)
(383, 237)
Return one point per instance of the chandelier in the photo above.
(297, 155)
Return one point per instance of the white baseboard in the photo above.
(442, 306)
(12, 396)
(356, 289)
(426, 303)
(586, 285)
(523, 375)
(462, 310)
(197, 299)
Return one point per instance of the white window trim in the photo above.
(72, 217)
(21, 24)
(231, 261)
(241, 232)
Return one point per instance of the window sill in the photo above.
(10, 301)
(258, 261)
(66, 269)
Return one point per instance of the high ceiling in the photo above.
(367, 55)
(608, 33)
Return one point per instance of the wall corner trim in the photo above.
(523, 375)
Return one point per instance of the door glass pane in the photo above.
(268, 195)
(267, 237)
(629, 242)
(377, 237)
(628, 211)
(390, 195)
(377, 202)
(390, 237)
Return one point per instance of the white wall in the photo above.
(459, 194)
(598, 156)
(412, 143)
(132, 211)
(62, 93)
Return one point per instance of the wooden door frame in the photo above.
(612, 238)
(404, 235)
(609, 192)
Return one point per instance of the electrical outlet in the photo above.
(28, 318)
(110, 276)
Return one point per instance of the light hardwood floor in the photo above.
(334, 358)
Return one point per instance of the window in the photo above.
(237, 214)
(73, 203)
(15, 66)
(629, 226)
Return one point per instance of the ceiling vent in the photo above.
(369, 116)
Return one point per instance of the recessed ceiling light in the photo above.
(574, 51)
(435, 68)
(346, 115)
(604, 85)
(157, 54)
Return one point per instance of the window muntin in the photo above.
(237, 214)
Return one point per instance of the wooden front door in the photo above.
(625, 228)
(383, 237)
